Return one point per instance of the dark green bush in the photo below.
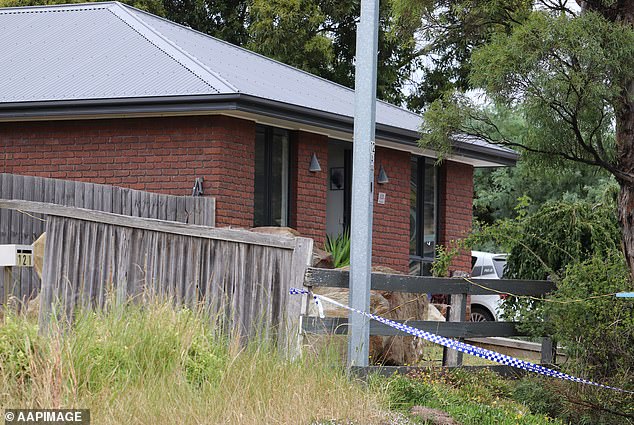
(577, 244)
(533, 392)
(599, 332)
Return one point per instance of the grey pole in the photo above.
(363, 181)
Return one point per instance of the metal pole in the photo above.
(362, 181)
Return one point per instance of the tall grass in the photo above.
(156, 364)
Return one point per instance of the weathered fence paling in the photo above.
(240, 277)
(20, 228)
(456, 327)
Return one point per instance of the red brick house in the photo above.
(106, 93)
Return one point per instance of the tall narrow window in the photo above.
(271, 177)
(423, 214)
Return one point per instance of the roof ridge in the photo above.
(265, 57)
(163, 43)
(40, 8)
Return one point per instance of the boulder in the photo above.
(322, 259)
(38, 254)
(273, 230)
(392, 350)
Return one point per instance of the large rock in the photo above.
(393, 350)
(273, 230)
(38, 254)
(321, 258)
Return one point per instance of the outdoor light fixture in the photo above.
(382, 179)
(198, 187)
(314, 164)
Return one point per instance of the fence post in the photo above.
(301, 260)
(457, 311)
(8, 285)
(549, 351)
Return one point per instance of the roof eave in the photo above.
(18, 111)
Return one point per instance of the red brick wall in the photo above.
(455, 209)
(308, 214)
(166, 154)
(390, 223)
(155, 154)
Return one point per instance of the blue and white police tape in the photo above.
(457, 345)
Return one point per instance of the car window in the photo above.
(499, 264)
(477, 271)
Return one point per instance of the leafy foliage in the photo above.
(559, 86)
(319, 36)
(449, 32)
(576, 244)
(562, 74)
(442, 261)
(497, 190)
(224, 19)
(597, 332)
(542, 241)
(559, 234)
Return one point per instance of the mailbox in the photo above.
(16, 256)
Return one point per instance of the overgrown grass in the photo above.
(159, 365)
(156, 364)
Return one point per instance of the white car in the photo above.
(486, 265)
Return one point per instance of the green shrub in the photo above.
(533, 392)
(577, 244)
(597, 332)
(339, 248)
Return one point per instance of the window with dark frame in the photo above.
(423, 214)
(272, 161)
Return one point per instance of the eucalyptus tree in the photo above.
(566, 69)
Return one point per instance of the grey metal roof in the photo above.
(107, 51)
(260, 76)
(84, 53)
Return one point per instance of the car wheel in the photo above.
(480, 314)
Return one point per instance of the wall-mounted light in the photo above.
(314, 164)
(382, 179)
(198, 187)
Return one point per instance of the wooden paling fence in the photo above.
(243, 277)
(20, 228)
(455, 327)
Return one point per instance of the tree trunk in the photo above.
(626, 218)
(625, 163)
